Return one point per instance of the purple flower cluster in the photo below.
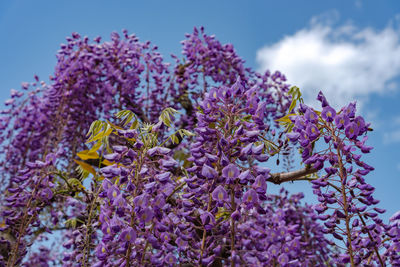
(136, 211)
(30, 192)
(90, 79)
(43, 258)
(346, 201)
(229, 188)
(146, 192)
(291, 236)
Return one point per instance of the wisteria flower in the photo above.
(146, 215)
(341, 121)
(250, 198)
(230, 172)
(310, 115)
(220, 195)
(207, 220)
(209, 172)
(245, 176)
(260, 184)
(322, 99)
(350, 110)
(293, 136)
(312, 131)
(128, 235)
(328, 113)
(46, 194)
(170, 259)
(101, 251)
(351, 130)
(163, 177)
(112, 192)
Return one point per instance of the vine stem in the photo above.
(131, 223)
(146, 246)
(88, 230)
(22, 228)
(345, 205)
(370, 237)
(233, 207)
(203, 241)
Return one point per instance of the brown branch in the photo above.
(299, 175)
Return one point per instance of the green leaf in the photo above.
(71, 223)
(295, 92)
(95, 147)
(292, 105)
(94, 127)
(170, 111)
(75, 183)
(126, 116)
(87, 154)
(222, 213)
(86, 167)
(174, 139)
(289, 127)
(186, 132)
(246, 118)
(100, 134)
(147, 127)
(286, 119)
(165, 116)
(134, 125)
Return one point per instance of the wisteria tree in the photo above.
(131, 161)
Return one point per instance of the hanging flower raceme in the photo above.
(31, 190)
(228, 139)
(346, 201)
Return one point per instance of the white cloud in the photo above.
(392, 133)
(391, 137)
(344, 62)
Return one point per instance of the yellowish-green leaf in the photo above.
(174, 139)
(71, 223)
(126, 116)
(165, 116)
(99, 178)
(94, 127)
(86, 167)
(246, 118)
(95, 147)
(100, 135)
(292, 105)
(180, 155)
(186, 132)
(87, 154)
(106, 162)
(116, 127)
(286, 119)
(222, 213)
(75, 183)
(134, 125)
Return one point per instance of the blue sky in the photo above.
(349, 49)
